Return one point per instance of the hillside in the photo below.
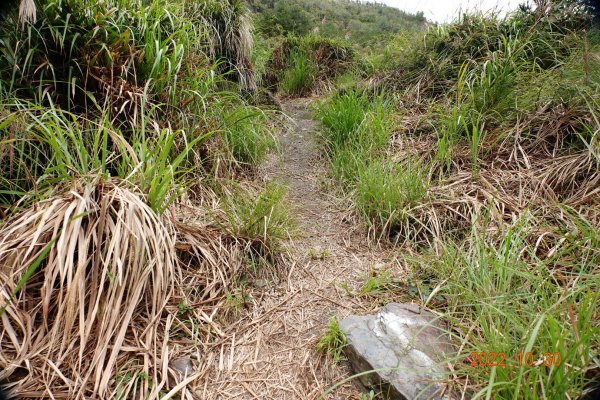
(357, 21)
(298, 200)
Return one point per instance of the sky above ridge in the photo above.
(446, 10)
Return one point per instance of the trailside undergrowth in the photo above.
(486, 181)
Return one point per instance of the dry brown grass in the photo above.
(100, 315)
(536, 167)
(27, 11)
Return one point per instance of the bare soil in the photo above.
(272, 352)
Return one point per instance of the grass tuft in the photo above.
(260, 218)
(299, 79)
(333, 341)
(517, 302)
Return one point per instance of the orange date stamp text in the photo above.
(528, 359)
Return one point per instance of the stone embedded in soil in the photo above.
(406, 344)
(183, 366)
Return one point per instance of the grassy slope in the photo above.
(361, 23)
(115, 117)
(483, 169)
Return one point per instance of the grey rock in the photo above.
(408, 347)
(183, 366)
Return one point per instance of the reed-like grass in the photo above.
(500, 213)
(247, 134)
(260, 218)
(503, 296)
(357, 128)
(106, 109)
(300, 77)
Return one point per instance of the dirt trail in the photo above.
(273, 355)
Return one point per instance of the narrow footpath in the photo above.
(273, 352)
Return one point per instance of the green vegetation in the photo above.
(131, 132)
(485, 170)
(361, 22)
(247, 134)
(302, 65)
(357, 130)
(261, 219)
(307, 46)
(518, 305)
(300, 77)
(333, 341)
(315, 254)
(377, 282)
(109, 114)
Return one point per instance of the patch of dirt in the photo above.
(270, 353)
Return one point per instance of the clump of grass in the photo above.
(236, 301)
(342, 115)
(369, 396)
(357, 129)
(247, 134)
(333, 341)
(315, 254)
(384, 191)
(377, 282)
(347, 162)
(299, 79)
(58, 147)
(262, 218)
(72, 252)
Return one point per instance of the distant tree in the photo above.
(292, 18)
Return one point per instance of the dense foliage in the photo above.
(128, 143)
(484, 166)
(109, 112)
(358, 21)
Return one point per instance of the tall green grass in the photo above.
(300, 77)
(385, 192)
(503, 296)
(342, 116)
(357, 128)
(247, 134)
(57, 147)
